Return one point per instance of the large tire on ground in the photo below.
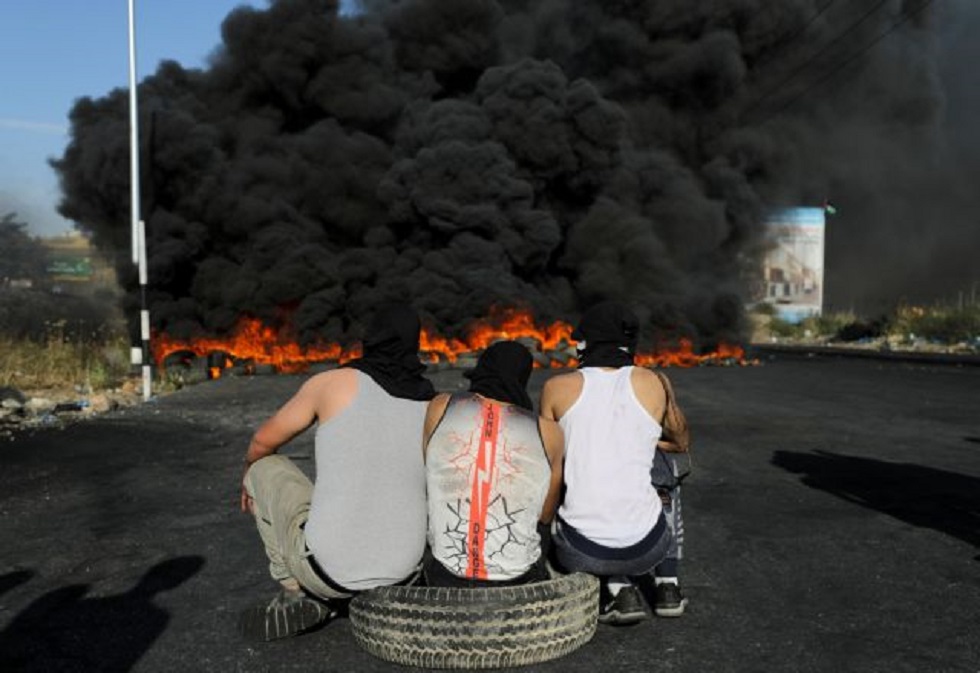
(486, 627)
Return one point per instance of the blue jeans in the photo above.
(666, 476)
(658, 554)
(577, 553)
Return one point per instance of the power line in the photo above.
(793, 73)
(850, 59)
(792, 36)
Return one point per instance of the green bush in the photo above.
(787, 330)
(943, 323)
(829, 324)
(948, 326)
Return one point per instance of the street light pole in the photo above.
(134, 163)
(139, 355)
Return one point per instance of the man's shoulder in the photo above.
(333, 385)
(645, 376)
(564, 380)
(341, 375)
(337, 372)
(560, 392)
(649, 390)
(439, 402)
(650, 381)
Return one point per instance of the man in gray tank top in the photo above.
(362, 523)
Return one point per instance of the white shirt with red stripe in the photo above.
(487, 477)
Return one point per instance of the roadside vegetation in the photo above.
(907, 327)
(51, 337)
(84, 348)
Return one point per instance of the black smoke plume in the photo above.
(462, 154)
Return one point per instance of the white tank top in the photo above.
(610, 442)
(487, 476)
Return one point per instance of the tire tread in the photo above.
(485, 627)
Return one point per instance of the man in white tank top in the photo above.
(362, 523)
(621, 426)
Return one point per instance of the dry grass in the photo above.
(61, 341)
(58, 362)
(906, 325)
(948, 324)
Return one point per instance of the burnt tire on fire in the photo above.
(486, 627)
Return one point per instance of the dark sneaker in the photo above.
(626, 607)
(668, 601)
(288, 614)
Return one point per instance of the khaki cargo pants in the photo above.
(281, 496)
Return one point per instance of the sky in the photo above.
(53, 52)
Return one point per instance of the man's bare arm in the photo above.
(433, 414)
(294, 417)
(558, 395)
(546, 403)
(676, 437)
(554, 446)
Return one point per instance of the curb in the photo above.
(869, 354)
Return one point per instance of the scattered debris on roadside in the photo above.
(27, 409)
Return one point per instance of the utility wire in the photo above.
(793, 73)
(850, 59)
(788, 39)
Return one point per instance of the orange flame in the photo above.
(262, 345)
(507, 323)
(684, 356)
(256, 342)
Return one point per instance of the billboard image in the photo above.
(793, 265)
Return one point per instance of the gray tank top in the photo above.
(368, 514)
(488, 477)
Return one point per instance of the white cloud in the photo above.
(36, 127)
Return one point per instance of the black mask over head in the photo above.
(391, 354)
(502, 373)
(607, 336)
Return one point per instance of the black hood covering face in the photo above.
(502, 373)
(607, 336)
(391, 354)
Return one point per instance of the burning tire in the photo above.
(492, 627)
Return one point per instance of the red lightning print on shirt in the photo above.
(482, 480)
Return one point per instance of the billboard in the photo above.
(793, 265)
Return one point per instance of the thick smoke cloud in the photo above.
(462, 154)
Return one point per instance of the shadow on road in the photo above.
(13, 579)
(65, 631)
(922, 496)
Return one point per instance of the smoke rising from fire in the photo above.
(462, 154)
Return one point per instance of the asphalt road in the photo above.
(833, 524)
